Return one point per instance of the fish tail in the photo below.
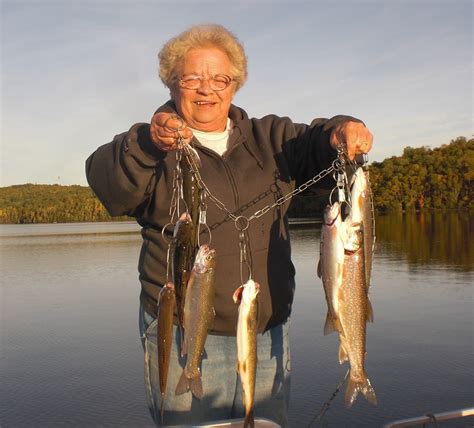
(193, 384)
(356, 386)
(196, 387)
(249, 420)
(342, 354)
(329, 325)
(162, 407)
(183, 384)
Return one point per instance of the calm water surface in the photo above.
(71, 356)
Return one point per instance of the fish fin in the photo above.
(370, 312)
(162, 407)
(338, 326)
(353, 389)
(249, 420)
(237, 296)
(342, 354)
(196, 387)
(212, 320)
(329, 326)
(183, 384)
(320, 270)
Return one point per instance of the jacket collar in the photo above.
(242, 132)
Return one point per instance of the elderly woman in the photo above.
(247, 164)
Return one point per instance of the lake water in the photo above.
(71, 356)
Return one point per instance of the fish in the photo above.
(344, 252)
(198, 319)
(361, 212)
(246, 295)
(182, 261)
(353, 312)
(165, 316)
(331, 262)
(192, 192)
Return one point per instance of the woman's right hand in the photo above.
(164, 131)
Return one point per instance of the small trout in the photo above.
(166, 305)
(182, 261)
(331, 262)
(246, 295)
(198, 318)
(192, 198)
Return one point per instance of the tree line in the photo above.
(44, 203)
(420, 178)
(426, 178)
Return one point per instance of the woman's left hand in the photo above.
(354, 135)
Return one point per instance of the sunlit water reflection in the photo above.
(70, 354)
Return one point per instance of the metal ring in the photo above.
(208, 231)
(163, 230)
(245, 225)
(169, 129)
(331, 195)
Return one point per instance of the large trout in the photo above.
(342, 268)
(166, 306)
(198, 318)
(246, 295)
(361, 212)
(354, 310)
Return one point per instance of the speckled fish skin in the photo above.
(246, 296)
(198, 318)
(362, 213)
(165, 316)
(353, 313)
(182, 261)
(331, 262)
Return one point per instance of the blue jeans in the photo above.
(221, 384)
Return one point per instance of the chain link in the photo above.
(298, 190)
(337, 165)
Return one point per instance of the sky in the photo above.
(74, 73)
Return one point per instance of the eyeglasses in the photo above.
(217, 83)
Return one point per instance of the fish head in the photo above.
(359, 193)
(332, 213)
(205, 259)
(167, 292)
(184, 227)
(251, 290)
(247, 292)
(185, 217)
(354, 238)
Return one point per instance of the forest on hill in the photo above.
(421, 178)
(440, 178)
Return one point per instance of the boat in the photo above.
(433, 418)
(231, 423)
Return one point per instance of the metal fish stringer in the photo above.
(242, 224)
(203, 220)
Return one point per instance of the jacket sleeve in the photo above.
(306, 148)
(123, 173)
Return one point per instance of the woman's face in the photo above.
(204, 109)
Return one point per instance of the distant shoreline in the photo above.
(95, 228)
